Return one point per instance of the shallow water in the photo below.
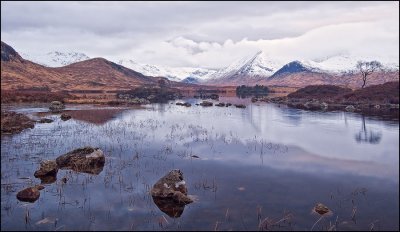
(260, 162)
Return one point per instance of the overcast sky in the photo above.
(202, 34)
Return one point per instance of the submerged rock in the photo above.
(88, 159)
(30, 194)
(65, 117)
(56, 106)
(47, 168)
(172, 187)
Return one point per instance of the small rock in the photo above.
(47, 168)
(321, 209)
(30, 194)
(65, 117)
(46, 120)
(56, 106)
(240, 106)
(206, 103)
(350, 108)
(221, 104)
(324, 105)
(39, 187)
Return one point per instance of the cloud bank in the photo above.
(203, 34)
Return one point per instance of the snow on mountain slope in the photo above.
(256, 66)
(346, 63)
(172, 73)
(56, 58)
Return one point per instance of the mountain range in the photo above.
(92, 74)
(259, 68)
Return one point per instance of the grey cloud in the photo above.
(148, 31)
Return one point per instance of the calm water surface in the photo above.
(260, 162)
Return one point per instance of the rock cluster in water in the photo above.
(87, 159)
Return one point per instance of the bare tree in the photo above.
(366, 68)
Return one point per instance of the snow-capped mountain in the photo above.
(346, 63)
(257, 66)
(56, 58)
(172, 73)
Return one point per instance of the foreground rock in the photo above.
(12, 122)
(170, 194)
(65, 117)
(56, 106)
(172, 186)
(30, 194)
(88, 159)
(47, 168)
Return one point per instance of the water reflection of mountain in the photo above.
(94, 116)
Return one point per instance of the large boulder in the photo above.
(87, 159)
(171, 187)
(30, 194)
(47, 168)
(170, 194)
(56, 106)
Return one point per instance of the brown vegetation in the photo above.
(321, 92)
(19, 96)
(383, 94)
(387, 93)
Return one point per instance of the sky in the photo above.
(203, 34)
